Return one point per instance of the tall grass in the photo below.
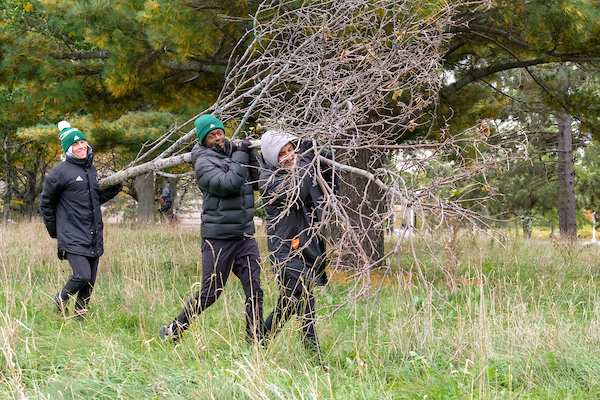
(523, 323)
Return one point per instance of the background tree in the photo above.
(353, 76)
(106, 58)
(535, 37)
(337, 61)
(168, 55)
(115, 144)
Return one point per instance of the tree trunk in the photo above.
(145, 190)
(566, 179)
(527, 225)
(365, 210)
(8, 178)
(30, 193)
(33, 183)
(172, 185)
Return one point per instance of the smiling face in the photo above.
(215, 137)
(287, 156)
(79, 149)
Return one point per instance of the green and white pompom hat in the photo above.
(69, 135)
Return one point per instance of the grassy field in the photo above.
(523, 324)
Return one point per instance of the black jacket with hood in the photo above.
(295, 246)
(227, 178)
(70, 206)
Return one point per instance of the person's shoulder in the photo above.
(197, 149)
(60, 167)
(266, 171)
(58, 173)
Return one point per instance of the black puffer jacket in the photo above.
(227, 178)
(70, 206)
(295, 247)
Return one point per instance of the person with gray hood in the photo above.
(292, 199)
(70, 207)
(227, 176)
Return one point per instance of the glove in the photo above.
(305, 146)
(244, 145)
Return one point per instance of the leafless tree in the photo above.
(358, 78)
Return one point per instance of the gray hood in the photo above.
(271, 144)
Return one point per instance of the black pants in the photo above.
(298, 298)
(82, 281)
(219, 259)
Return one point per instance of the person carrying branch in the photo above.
(227, 176)
(292, 198)
(70, 207)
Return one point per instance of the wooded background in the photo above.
(463, 113)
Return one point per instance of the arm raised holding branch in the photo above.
(226, 175)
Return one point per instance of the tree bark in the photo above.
(172, 185)
(34, 183)
(30, 191)
(567, 221)
(145, 190)
(157, 164)
(364, 211)
(8, 178)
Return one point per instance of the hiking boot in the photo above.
(170, 331)
(61, 305)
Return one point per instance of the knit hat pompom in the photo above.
(206, 123)
(69, 135)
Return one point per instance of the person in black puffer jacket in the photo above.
(70, 207)
(292, 199)
(227, 176)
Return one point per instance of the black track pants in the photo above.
(82, 281)
(297, 297)
(219, 259)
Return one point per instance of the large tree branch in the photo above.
(477, 74)
(213, 66)
(151, 166)
(495, 31)
(82, 55)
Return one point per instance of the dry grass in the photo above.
(522, 323)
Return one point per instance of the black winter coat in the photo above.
(168, 204)
(291, 227)
(70, 206)
(227, 178)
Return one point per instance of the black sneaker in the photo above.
(61, 305)
(170, 331)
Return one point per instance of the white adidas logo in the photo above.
(79, 179)
(212, 126)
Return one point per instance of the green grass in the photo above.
(522, 322)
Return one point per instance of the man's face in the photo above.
(287, 156)
(80, 149)
(215, 137)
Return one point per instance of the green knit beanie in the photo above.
(206, 123)
(68, 135)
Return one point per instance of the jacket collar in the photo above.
(84, 162)
(227, 151)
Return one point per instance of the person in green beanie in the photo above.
(227, 176)
(70, 207)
